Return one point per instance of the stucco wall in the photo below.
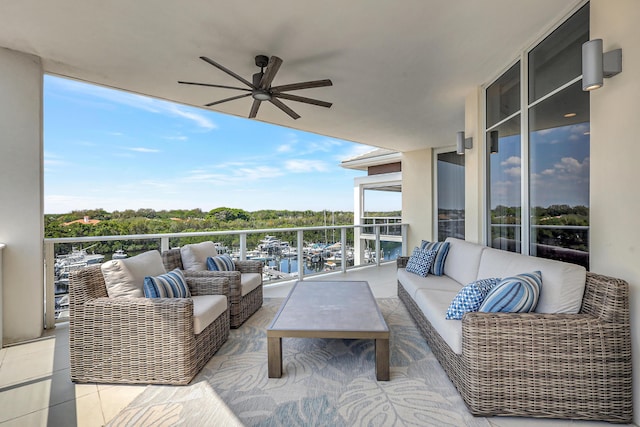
(615, 161)
(473, 170)
(21, 222)
(417, 191)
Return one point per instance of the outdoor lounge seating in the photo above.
(144, 340)
(245, 283)
(573, 362)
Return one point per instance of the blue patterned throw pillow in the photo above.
(169, 285)
(470, 297)
(220, 263)
(420, 262)
(442, 249)
(515, 294)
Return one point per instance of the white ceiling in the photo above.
(400, 69)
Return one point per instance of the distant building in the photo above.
(84, 220)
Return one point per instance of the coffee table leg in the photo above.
(382, 359)
(274, 357)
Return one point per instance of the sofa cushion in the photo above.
(194, 256)
(220, 263)
(421, 261)
(412, 282)
(441, 248)
(125, 277)
(563, 283)
(168, 285)
(206, 309)
(434, 306)
(470, 298)
(249, 281)
(514, 294)
(463, 261)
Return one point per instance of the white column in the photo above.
(21, 184)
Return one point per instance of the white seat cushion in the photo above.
(125, 277)
(463, 260)
(562, 283)
(412, 282)
(249, 281)
(206, 309)
(434, 305)
(194, 256)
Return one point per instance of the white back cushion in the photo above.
(194, 256)
(463, 260)
(125, 277)
(562, 283)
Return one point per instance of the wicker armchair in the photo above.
(140, 340)
(241, 307)
(575, 366)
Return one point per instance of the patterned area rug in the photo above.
(325, 383)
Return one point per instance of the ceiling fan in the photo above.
(261, 90)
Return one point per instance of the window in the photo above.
(538, 151)
(450, 195)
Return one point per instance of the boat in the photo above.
(119, 254)
(63, 266)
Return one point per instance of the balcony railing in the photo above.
(331, 256)
(390, 226)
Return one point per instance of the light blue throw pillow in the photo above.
(220, 263)
(442, 249)
(515, 294)
(420, 262)
(470, 297)
(169, 285)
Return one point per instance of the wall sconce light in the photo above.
(463, 143)
(493, 141)
(596, 64)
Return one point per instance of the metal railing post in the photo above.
(300, 249)
(49, 286)
(378, 245)
(2, 246)
(343, 244)
(164, 244)
(404, 231)
(243, 246)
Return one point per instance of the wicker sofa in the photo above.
(542, 364)
(241, 304)
(140, 340)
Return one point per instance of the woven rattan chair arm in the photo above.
(168, 311)
(206, 283)
(401, 261)
(249, 266)
(523, 334)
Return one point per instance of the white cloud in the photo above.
(200, 120)
(142, 149)
(284, 148)
(176, 138)
(301, 165)
(548, 172)
(511, 161)
(514, 172)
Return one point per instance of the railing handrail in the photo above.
(556, 226)
(204, 233)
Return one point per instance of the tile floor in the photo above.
(35, 389)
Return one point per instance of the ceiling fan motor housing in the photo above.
(262, 61)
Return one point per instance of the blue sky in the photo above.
(116, 150)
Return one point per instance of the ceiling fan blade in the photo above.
(284, 108)
(254, 108)
(227, 99)
(226, 70)
(270, 72)
(302, 85)
(211, 85)
(303, 99)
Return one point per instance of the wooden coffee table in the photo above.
(343, 310)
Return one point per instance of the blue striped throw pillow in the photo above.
(420, 262)
(220, 263)
(169, 285)
(470, 298)
(442, 249)
(515, 294)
